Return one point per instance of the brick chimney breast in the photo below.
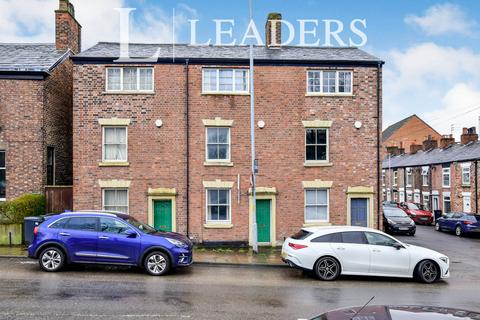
(273, 30)
(68, 32)
(469, 135)
(429, 144)
(414, 148)
(446, 141)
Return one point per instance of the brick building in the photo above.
(442, 176)
(169, 142)
(407, 132)
(36, 110)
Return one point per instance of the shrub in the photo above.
(15, 210)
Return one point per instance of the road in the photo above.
(223, 292)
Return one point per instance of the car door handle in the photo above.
(64, 234)
(376, 250)
(103, 237)
(340, 248)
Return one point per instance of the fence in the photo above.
(59, 198)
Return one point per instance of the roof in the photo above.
(30, 57)
(111, 50)
(454, 153)
(387, 133)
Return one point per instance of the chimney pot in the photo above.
(469, 135)
(429, 144)
(446, 141)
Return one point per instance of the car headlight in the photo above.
(412, 223)
(176, 242)
(444, 259)
(390, 221)
(413, 214)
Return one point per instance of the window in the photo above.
(82, 223)
(218, 205)
(300, 235)
(225, 80)
(395, 177)
(130, 79)
(446, 177)
(316, 144)
(332, 237)
(329, 82)
(409, 177)
(115, 200)
(466, 175)
(377, 239)
(50, 166)
(383, 177)
(218, 144)
(316, 205)
(114, 144)
(3, 176)
(402, 196)
(425, 176)
(356, 237)
(109, 225)
(446, 203)
(426, 201)
(59, 224)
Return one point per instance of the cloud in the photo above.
(442, 19)
(34, 21)
(436, 82)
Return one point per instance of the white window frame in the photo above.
(466, 170)
(327, 144)
(116, 189)
(228, 160)
(103, 144)
(234, 90)
(138, 80)
(305, 204)
(446, 172)
(229, 207)
(425, 172)
(395, 177)
(4, 168)
(426, 200)
(383, 177)
(446, 195)
(409, 176)
(321, 92)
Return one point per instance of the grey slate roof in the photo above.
(286, 53)
(455, 153)
(29, 57)
(387, 133)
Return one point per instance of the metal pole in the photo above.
(252, 142)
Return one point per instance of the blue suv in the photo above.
(107, 238)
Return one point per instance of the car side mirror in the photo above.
(397, 246)
(130, 233)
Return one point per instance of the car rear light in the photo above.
(296, 246)
(467, 222)
(35, 230)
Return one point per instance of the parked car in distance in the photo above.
(459, 222)
(418, 215)
(398, 313)
(390, 204)
(395, 220)
(344, 250)
(107, 238)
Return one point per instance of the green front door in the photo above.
(162, 215)
(263, 220)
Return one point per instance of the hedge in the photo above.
(15, 210)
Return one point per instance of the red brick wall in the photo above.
(414, 131)
(157, 155)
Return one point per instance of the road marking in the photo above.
(27, 262)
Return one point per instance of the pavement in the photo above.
(214, 291)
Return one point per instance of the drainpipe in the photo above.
(378, 147)
(187, 153)
(476, 186)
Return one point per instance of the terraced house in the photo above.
(169, 142)
(36, 109)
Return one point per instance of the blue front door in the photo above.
(359, 212)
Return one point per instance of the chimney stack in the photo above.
(429, 144)
(273, 30)
(395, 151)
(68, 32)
(414, 148)
(446, 141)
(469, 135)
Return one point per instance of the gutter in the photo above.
(187, 153)
(379, 162)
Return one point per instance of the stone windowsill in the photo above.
(113, 164)
(225, 93)
(217, 164)
(317, 164)
(128, 93)
(316, 224)
(218, 225)
(331, 95)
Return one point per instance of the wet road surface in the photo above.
(217, 292)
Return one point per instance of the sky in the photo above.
(431, 48)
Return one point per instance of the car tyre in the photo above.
(437, 227)
(51, 259)
(327, 269)
(427, 271)
(157, 263)
(458, 231)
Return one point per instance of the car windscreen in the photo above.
(389, 213)
(412, 206)
(140, 225)
(300, 235)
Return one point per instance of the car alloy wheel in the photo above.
(458, 231)
(327, 269)
(428, 271)
(437, 226)
(51, 259)
(157, 263)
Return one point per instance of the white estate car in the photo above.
(332, 251)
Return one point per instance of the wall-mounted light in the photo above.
(158, 123)
(261, 124)
(358, 124)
